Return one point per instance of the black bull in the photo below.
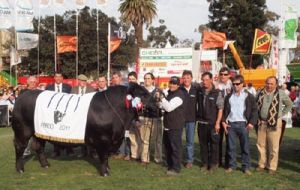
(107, 119)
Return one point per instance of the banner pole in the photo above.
(77, 49)
(38, 46)
(98, 61)
(108, 55)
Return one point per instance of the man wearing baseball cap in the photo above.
(174, 119)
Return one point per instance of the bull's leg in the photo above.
(38, 145)
(103, 157)
(20, 146)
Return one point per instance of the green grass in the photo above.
(72, 173)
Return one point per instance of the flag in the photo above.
(66, 44)
(115, 38)
(114, 44)
(101, 3)
(288, 36)
(27, 40)
(5, 15)
(6, 37)
(274, 54)
(14, 57)
(80, 4)
(213, 40)
(44, 3)
(24, 15)
(262, 42)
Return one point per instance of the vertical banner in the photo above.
(288, 35)
(261, 43)
(14, 57)
(80, 4)
(5, 15)
(24, 15)
(59, 3)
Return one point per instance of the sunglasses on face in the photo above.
(236, 83)
(224, 74)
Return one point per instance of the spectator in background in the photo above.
(116, 78)
(293, 94)
(251, 89)
(102, 83)
(284, 88)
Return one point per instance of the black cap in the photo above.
(175, 80)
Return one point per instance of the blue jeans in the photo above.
(125, 147)
(238, 129)
(190, 134)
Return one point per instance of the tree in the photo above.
(138, 13)
(159, 36)
(66, 25)
(239, 19)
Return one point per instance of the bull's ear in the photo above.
(137, 90)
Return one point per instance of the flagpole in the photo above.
(38, 46)
(54, 33)
(108, 54)
(77, 49)
(98, 62)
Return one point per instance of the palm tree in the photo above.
(138, 13)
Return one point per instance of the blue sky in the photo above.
(181, 16)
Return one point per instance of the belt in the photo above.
(204, 122)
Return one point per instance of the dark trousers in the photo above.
(238, 129)
(173, 148)
(222, 134)
(209, 145)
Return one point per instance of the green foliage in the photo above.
(137, 13)
(239, 19)
(87, 54)
(159, 36)
(81, 174)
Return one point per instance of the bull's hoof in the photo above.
(46, 167)
(20, 171)
(106, 174)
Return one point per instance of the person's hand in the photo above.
(249, 126)
(217, 128)
(225, 126)
(159, 96)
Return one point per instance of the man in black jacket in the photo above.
(240, 115)
(174, 119)
(209, 114)
(190, 114)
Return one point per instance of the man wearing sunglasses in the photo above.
(239, 116)
(225, 86)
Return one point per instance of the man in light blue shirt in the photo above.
(240, 115)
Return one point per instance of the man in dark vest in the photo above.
(190, 114)
(209, 114)
(174, 119)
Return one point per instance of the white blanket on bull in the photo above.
(61, 117)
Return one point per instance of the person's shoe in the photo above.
(189, 165)
(171, 173)
(247, 172)
(272, 172)
(229, 170)
(259, 169)
(118, 156)
(144, 163)
(127, 158)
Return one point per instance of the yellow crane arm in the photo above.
(236, 56)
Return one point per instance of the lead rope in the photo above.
(114, 110)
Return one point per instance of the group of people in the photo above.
(217, 109)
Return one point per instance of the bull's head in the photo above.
(58, 116)
(138, 94)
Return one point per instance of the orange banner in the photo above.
(114, 44)
(213, 40)
(66, 44)
(261, 43)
